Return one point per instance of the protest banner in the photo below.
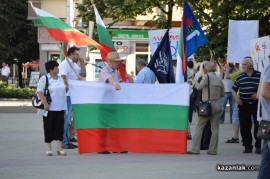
(239, 36)
(260, 50)
(155, 37)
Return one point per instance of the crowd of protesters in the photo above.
(247, 91)
(244, 88)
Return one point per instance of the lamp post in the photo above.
(14, 68)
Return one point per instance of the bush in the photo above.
(13, 92)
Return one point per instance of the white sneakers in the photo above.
(61, 153)
(49, 153)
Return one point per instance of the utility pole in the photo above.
(70, 12)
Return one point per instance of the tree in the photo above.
(213, 16)
(18, 36)
(119, 10)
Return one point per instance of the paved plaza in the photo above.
(22, 155)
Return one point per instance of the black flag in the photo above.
(161, 62)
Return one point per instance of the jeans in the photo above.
(67, 122)
(235, 115)
(227, 97)
(264, 172)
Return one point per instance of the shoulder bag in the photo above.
(36, 102)
(264, 127)
(205, 107)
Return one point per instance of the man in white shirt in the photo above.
(69, 70)
(5, 71)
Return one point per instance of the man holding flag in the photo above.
(109, 73)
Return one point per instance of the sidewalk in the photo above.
(13, 105)
(22, 155)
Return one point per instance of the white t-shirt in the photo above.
(5, 71)
(57, 90)
(65, 69)
(265, 105)
(228, 84)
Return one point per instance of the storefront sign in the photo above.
(44, 36)
(135, 34)
(155, 37)
(122, 46)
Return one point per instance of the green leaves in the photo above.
(18, 38)
(13, 92)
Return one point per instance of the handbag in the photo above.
(36, 102)
(205, 109)
(264, 127)
(264, 130)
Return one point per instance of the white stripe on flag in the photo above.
(100, 93)
(98, 18)
(42, 13)
(179, 70)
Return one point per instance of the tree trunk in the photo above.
(170, 11)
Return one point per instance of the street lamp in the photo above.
(14, 68)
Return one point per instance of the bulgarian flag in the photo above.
(63, 32)
(143, 118)
(106, 41)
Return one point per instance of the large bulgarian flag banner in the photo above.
(143, 118)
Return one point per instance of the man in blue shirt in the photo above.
(145, 75)
(247, 83)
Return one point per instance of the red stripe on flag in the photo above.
(74, 37)
(132, 140)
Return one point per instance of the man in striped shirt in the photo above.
(247, 83)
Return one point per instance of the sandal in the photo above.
(49, 153)
(62, 153)
(233, 140)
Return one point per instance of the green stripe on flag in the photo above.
(104, 37)
(55, 23)
(151, 116)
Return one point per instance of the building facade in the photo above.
(130, 37)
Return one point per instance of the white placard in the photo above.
(34, 77)
(155, 37)
(260, 50)
(240, 35)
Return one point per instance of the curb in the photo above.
(15, 105)
(17, 109)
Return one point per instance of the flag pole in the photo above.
(212, 52)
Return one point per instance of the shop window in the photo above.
(141, 47)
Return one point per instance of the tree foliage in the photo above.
(119, 10)
(18, 36)
(213, 15)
